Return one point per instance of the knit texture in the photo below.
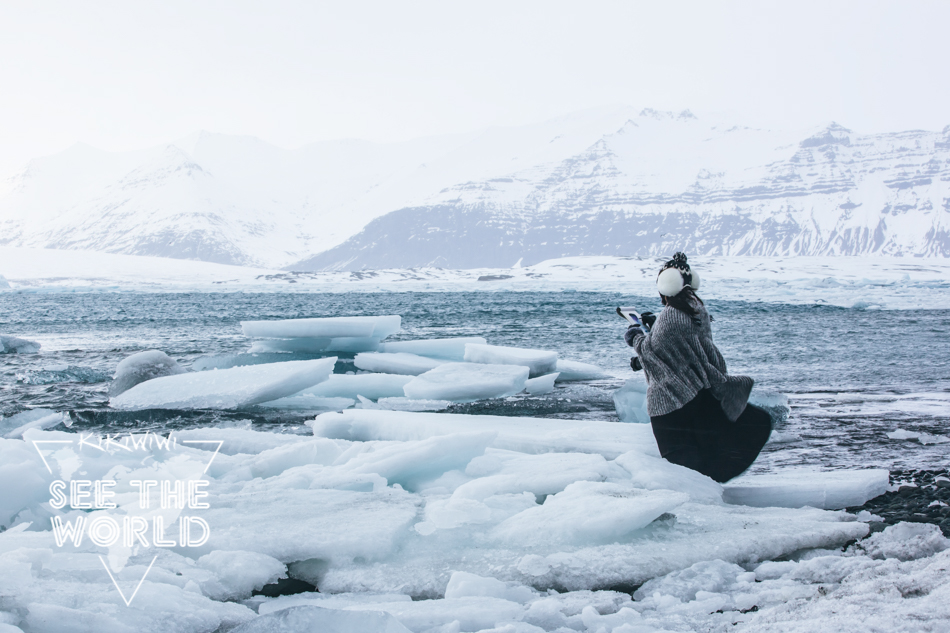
(680, 359)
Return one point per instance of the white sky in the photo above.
(123, 75)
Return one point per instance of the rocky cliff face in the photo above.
(612, 182)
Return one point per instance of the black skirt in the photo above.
(701, 437)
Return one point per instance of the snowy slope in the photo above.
(665, 182)
(614, 181)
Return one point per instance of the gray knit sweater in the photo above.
(680, 359)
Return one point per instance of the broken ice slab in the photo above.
(309, 403)
(372, 386)
(630, 401)
(526, 435)
(576, 370)
(333, 327)
(799, 488)
(588, 513)
(466, 382)
(225, 388)
(396, 363)
(538, 362)
(444, 348)
(540, 385)
(300, 345)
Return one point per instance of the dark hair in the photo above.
(683, 301)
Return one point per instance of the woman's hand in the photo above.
(632, 332)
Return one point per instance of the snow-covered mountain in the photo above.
(603, 182)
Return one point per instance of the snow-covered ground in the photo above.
(873, 282)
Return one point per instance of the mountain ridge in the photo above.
(614, 181)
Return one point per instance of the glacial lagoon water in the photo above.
(852, 376)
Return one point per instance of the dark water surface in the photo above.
(851, 375)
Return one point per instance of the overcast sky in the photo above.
(123, 75)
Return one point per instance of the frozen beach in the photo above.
(404, 486)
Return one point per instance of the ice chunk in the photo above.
(225, 388)
(307, 402)
(411, 463)
(304, 619)
(465, 382)
(227, 361)
(463, 585)
(315, 345)
(923, 438)
(408, 404)
(575, 370)
(372, 386)
(538, 362)
(396, 363)
(305, 345)
(14, 345)
(526, 435)
(905, 541)
(334, 327)
(540, 385)
(237, 574)
(503, 472)
(776, 404)
(16, 425)
(52, 374)
(799, 488)
(653, 473)
(631, 401)
(444, 348)
(140, 367)
(588, 512)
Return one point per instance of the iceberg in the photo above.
(465, 382)
(140, 367)
(396, 363)
(575, 370)
(14, 345)
(444, 348)
(630, 401)
(333, 327)
(225, 388)
(540, 385)
(799, 488)
(538, 362)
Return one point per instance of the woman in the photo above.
(700, 414)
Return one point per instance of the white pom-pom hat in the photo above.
(675, 275)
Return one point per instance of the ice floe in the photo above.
(576, 370)
(444, 348)
(465, 382)
(396, 363)
(538, 362)
(225, 388)
(797, 488)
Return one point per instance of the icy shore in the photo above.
(445, 523)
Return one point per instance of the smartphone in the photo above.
(631, 315)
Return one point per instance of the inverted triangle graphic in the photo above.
(128, 602)
(220, 443)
